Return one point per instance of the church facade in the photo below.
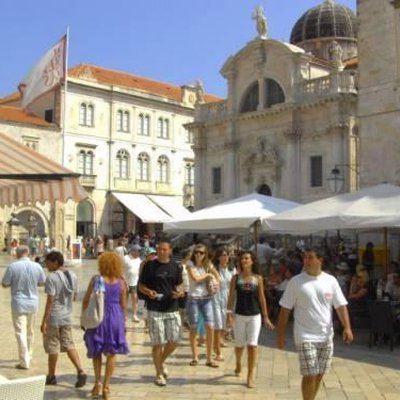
(288, 127)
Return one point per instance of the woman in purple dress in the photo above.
(109, 337)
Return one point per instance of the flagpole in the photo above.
(65, 95)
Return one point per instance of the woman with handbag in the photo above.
(220, 300)
(108, 338)
(203, 281)
(247, 292)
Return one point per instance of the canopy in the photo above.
(233, 216)
(170, 205)
(371, 207)
(140, 205)
(26, 176)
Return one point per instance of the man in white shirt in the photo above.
(132, 263)
(23, 277)
(311, 295)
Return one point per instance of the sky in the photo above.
(176, 41)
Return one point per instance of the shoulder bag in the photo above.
(92, 316)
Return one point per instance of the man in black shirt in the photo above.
(160, 281)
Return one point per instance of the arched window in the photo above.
(273, 93)
(122, 164)
(189, 173)
(86, 114)
(85, 162)
(143, 170)
(163, 169)
(140, 124)
(160, 128)
(147, 125)
(250, 99)
(144, 124)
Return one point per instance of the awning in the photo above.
(170, 205)
(143, 207)
(27, 176)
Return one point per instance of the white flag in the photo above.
(45, 75)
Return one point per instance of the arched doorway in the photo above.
(264, 189)
(85, 225)
(30, 224)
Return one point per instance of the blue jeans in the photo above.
(203, 306)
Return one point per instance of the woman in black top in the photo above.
(247, 291)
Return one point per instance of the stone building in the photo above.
(125, 135)
(289, 119)
(379, 91)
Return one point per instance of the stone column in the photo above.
(293, 163)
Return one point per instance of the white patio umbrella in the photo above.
(371, 207)
(233, 216)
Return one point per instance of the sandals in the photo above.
(212, 364)
(194, 363)
(219, 358)
(96, 391)
(51, 380)
(106, 392)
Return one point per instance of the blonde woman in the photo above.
(199, 301)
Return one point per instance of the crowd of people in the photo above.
(212, 293)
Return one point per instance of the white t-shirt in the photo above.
(132, 266)
(197, 289)
(312, 298)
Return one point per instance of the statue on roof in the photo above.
(336, 54)
(261, 22)
(199, 91)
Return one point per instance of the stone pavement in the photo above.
(357, 373)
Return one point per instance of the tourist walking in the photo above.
(161, 282)
(132, 263)
(220, 300)
(311, 295)
(109, 337)
(199, 301)
(247, 292)
(61, 288)
(23, 277)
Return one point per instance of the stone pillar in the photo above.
(293, 163)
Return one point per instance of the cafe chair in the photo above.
(382, 323)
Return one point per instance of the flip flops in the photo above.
(212, 364)
(194, 363)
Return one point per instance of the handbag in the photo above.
(92, 316)
(212, 286)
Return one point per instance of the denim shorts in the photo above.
(194, 306)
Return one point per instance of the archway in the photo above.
(30, 224)
(264, 189)
(85, 225)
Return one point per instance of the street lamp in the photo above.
(335, 180)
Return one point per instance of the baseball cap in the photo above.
(149, 250)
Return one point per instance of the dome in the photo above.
(327, 20)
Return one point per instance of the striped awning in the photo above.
(26, 176)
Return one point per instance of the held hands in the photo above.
(177, 294)
(152, 294)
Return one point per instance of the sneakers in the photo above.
(51, 380)
(160, 381)
(19, 366)
(81, 379)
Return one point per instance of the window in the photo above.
(85, 162)
(189, 173)
(123, 121)
(143, 170)
(48, 115)
(250, 99)
(163, 128)
(188, 136)
(122, 164)
(316, 171)
(86, 114)
(273, 93)
(216, 180)
(144, 124)
(162, 169)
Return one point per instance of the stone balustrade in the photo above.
(211, 111)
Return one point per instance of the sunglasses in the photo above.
(199, 252)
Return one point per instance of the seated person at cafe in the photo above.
(358, 293)
(393, 287)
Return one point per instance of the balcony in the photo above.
(162, 187)
(340, 82)
(211, 111)
(123, 184)
(143, 186)
(88, 181)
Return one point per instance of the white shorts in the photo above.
(247, 330)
